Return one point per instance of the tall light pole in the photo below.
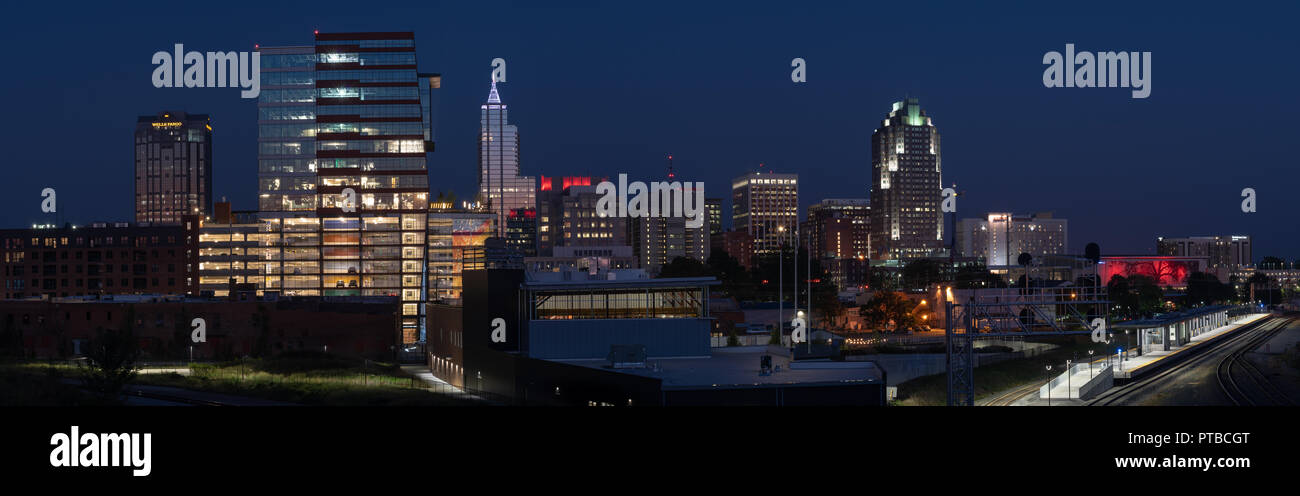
(780, 283)
(1049, 384)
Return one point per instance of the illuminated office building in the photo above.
(656, 241)
(344, 128)
(456, 238)
(1230, 252)
(766, 205)
(906, 172)
(714, 208)
(501, 187)
(173, 167)
(838, 234)
(1000, 238)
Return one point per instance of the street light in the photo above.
(780, 284)
(1069, 388)
(1090, 363)
(1049, 384)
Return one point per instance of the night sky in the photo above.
(599, 89)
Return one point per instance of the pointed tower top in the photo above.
(493, 96)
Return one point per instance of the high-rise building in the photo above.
(173, 167)
(1223, 251)
(567, 216)
(1001, 237)
(521, 231)
(501, 187)
(906, 173)
(838, 235)
(658, 240)
(344, 128)
(714, 208)
(766, 205)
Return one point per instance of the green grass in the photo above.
(932, 390)
(308, 379)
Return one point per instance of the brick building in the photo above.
(102, 258)
(61, 328)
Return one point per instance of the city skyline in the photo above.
(1123, 172)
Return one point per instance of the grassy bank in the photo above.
(932, 390)
(306, 378)
(310, 379)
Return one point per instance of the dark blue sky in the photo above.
(603, 88)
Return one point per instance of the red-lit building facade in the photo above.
(1168, 272)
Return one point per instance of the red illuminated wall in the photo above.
(1167, 271)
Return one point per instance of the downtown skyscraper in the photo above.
(906, 173)
(766, 206)
(501, 188)
(344, 128)
(173, 167)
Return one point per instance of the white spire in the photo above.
(493, 97)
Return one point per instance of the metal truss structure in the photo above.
(1013, 313)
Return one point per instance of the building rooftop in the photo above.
(734, 367)
(1165, 319)
(580, 279)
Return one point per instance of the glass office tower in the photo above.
(501, 187)
(349, 115)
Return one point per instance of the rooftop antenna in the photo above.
(671, 174)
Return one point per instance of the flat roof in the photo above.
(1171, 318)
(734, 367)
(622, 283)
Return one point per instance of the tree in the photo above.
(1135, 296)
(886, 307)
(1024, 259)
(1092, 252)
(1205, 289)
(684, 267)
(110, 360)
(736, 281)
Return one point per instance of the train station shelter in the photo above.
(1171, 330)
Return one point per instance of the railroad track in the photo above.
(1237, 361)
(1239, 337)
(1010, 397)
